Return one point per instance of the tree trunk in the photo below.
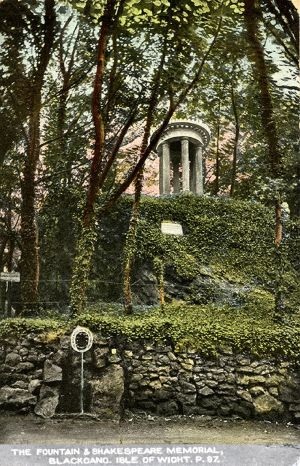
(158, 265)
(99, 126)
(130, 246)
(29, 265)
(278, 223)
(2, 284)
(217, 180)
(86, 241)
(287, 16)
(267, 110)
(262, 75)
(236, 143)
(269, 128)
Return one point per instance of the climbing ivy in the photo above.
(233, 239)
(207, 329)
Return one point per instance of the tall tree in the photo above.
(29, 266)
(270, 129)
(26, 93)
(162, 15)
(267, 111)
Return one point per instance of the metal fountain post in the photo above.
(81, 341)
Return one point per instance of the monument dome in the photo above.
(180, 149)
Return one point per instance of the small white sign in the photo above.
(81, 339)
(171, 228)
(10, 276)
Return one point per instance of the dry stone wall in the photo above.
(45, 378)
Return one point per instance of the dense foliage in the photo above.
(207, 329)
(80, 81)
(233, 238)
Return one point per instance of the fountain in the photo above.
(81, 341)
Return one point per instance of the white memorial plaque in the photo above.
(10, 276)
(81, 339)
(171, 228)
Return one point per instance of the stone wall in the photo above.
(44, 377)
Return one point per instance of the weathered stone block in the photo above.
(107, 392)
(12, 359)
(20, 384)
(245, 395)
(187, 387)
(16, 397)
(186, 366)
(230, 378)
(143, 395)
(224, 389)
(34, 386)
(162, 394)
(155, 384)
(248, 380)
(147, 357)
(243, 361)
(243, 410)
(294, 407)
(266, 404)
(168, 408)
(163, 360)
(24, 367)
(100, 357)
(273, 391)
(256, 391)
(48, 391)
(206, 391)
(52, 372)
(211, 402)
(186, 399)
(144, 382)
(224, 410)
(172, 356)
(212, 383)
(136, 377)
(246, 369)
(164, 380)
(289, 392)
(59, 357)
(46, 407)
(25, 343)
(114, 358)
(273, 381)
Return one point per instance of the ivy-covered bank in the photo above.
(206, 329)
(188, 359)
(227, 251)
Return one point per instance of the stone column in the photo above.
(185, 165)
(164, 170)
(192, 176)
(198, 171)
(176, 178)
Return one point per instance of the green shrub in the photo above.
(207, 329)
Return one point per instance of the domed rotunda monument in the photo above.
(180, 149)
